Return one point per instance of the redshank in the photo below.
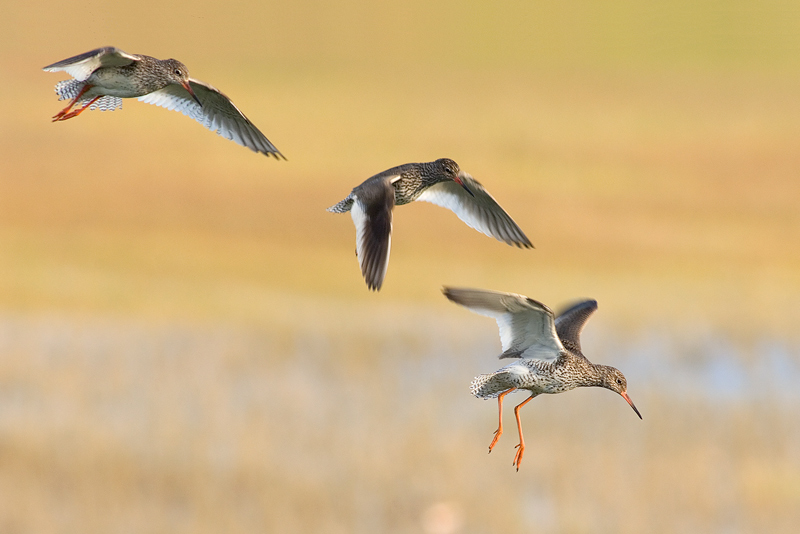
(103, 77)
(440, 182)
(548, 349)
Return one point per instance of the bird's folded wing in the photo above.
(481, 211)
(527, 329)
(217, 113)
(372, 216)
(83, 65)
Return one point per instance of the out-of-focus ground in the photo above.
(187, 345)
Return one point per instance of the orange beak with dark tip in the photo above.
(188, 87)
(627, 398)
(460, 182)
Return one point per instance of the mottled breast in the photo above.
(407, 188)
(118, 81)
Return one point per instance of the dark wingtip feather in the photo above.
(276, 154)
(570, 322)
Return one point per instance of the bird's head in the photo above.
(452, 171)
(179, 75)
(614, 380)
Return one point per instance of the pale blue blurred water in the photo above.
(321, 409)
(708, 364)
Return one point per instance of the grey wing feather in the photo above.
(83, 65)
(527, 328)
(570, 323)
(481, 211)
(217, 113)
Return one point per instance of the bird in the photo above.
(439, 182)
(547, 348)
(104, 76)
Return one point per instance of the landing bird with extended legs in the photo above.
(439, 182)
(547, 347)
(103, 77)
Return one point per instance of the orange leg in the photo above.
(65, 114)
(77, 112)
(521, 446)
(499, 431)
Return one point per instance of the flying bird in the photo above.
(103, 77)
(439, 182)
(547, 349)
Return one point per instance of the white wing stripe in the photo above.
(360, 222)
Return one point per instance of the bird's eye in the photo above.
(619, 381)
(178, 72)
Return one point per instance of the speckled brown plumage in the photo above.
(440, 182)
(104, 76)
(548, 349)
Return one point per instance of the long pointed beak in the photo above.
(460, 182)
(627, 398)
(188, 87)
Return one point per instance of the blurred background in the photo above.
(186, 341)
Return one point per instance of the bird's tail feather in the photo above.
(69, 89)
(107, 103)
(488, 386)
(343, 206)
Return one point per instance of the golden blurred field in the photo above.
(187, 345)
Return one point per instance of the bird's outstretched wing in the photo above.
(570, 323)
(479, 210)
(218, 113)
(527, 328)
(83, 65)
